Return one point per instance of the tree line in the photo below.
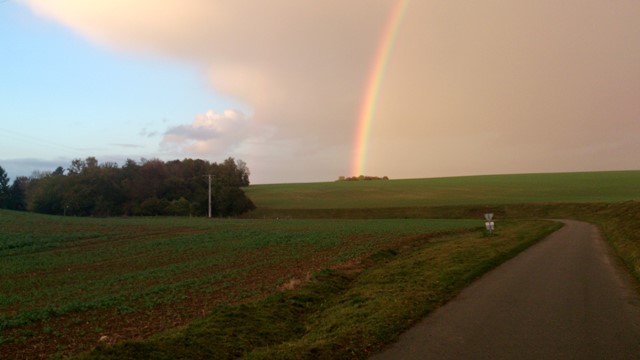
(361, 178)
(145, 188)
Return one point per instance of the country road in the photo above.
(564, 298)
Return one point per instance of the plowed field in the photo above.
(68, 284)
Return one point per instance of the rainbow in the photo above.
(372, 91)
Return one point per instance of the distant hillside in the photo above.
(614, 186)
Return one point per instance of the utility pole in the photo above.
(209, 176)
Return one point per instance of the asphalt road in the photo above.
(564, 298)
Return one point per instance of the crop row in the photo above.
(54, 266)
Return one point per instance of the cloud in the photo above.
(129, 146)
(146, 133)
(210, 133)
(300, 65)
(483, 87)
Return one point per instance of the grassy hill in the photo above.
(609, 187)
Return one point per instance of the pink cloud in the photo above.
(521, 80)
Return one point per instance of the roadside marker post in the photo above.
(489, 222)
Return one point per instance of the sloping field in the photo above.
(71, 284)
(66, 283)
(616, 186)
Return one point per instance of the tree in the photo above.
(231, 201)
(243, 173)
(47, 196)
(153, 207)
(91, 162)
(4, 189)
(17, 194)
(234, 173)
(151, 187)
(180, 207)
(77, 165)
(58, 171)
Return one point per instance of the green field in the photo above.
(76, 279)
(583, 187)
(282, 284)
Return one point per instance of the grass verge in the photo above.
(342, 313)
(620, 226)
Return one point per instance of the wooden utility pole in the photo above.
(209, 176)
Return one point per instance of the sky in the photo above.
(306, 90)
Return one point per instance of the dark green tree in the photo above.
(47, 195)
(151, 187)
(17, 194)
(232, 201)
(77, 166)
(180, 207)
(4, 189)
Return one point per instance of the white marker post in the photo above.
(489, 222)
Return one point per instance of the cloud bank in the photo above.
(299, 65)
(482, 87)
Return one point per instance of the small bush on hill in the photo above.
(362, 178)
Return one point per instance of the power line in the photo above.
(39, 141)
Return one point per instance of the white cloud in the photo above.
(210, 133)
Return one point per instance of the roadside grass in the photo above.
(621, 228)
(582, 187)
(349, 313)
(619, 224)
